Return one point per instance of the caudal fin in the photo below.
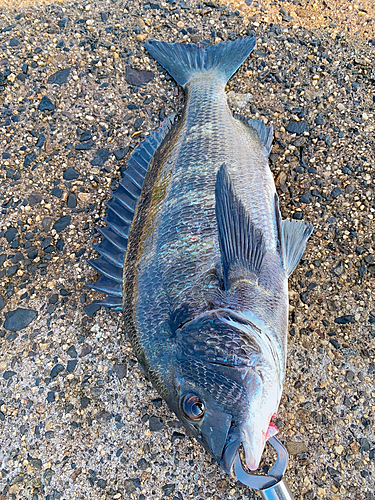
(185, 60)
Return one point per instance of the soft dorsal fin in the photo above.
(120, 213)
(295, 236)
(242, 245)
(265, 133)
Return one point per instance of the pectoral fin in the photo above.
(295, 236)
(241, 243)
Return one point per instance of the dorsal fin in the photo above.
(241, 243)
(120, 213)
(265, 133)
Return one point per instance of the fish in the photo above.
(197, 257)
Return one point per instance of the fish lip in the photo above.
(229, 454)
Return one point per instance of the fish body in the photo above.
(205, 275)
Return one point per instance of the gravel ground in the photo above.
(77, 94)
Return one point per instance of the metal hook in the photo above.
(272, 486)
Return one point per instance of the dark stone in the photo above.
(138, 78)
(50, 397)
(339, 269)
(102, 483)
(71, 365)
(138, 122)
(56, 370)
(29, 159)
(8, 374)
(335, 343)
(336, 192)
(19, 319)
(35, 462)
(157, 402)
(297, 127)
(2, 303)
(369, 259)
(306, 198)
(100, 157)
(70, 174)
(11, 271)
(62, 23)
(298, 215)
(344, 320)
(86, 349)
(46, 104)
(177, 435)
(304, 296)
(120, 369)
(129, 486)
(142, 464)
(84, 146)
(333, 472)
(120, 153)
(62, 223)
(104, 17)
(362, 269)
(35, 198)
(13, 42)
(40, 141)
(103, 416)
(155, 424)
(168, 488)
(60, 245)
(57, 192)
(85, 401)
(365, 445)
(355, 86)
(46, 224)
(86, 136)
(10, 234)
(72, 352)
(92, 308)
(59, 77)
(33, 253)
(71, 201)
(349, 376)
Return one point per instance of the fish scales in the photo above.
(205, 295)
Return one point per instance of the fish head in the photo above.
(227, 386)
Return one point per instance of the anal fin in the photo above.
(241, 243)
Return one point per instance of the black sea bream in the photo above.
(204, 283)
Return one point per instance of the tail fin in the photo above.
(184, 60)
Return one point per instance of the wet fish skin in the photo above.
(208, 257)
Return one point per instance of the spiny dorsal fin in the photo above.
(241, 243)
(120, 213)
(295, 236)
(265, 133)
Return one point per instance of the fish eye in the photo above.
(192, 407)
